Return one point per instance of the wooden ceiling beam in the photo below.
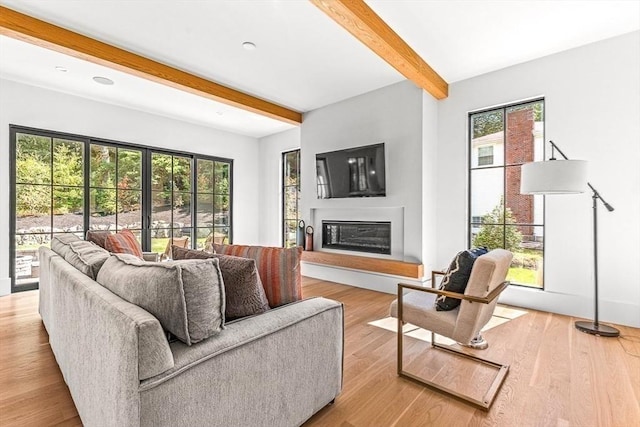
(35, 31)
(362, 22)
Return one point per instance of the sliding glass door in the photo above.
(48, 187)
(115, 189)
(171, 195)
(213, 198)
(69, 184)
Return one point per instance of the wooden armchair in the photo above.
(182, 242)
(462, 324)
(218, 239)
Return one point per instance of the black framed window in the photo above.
(485, 155)
(115, 188)
(290, 197)
(63, 183)
(171, 196)
(500, 141)
(48, 198)
(213, 201)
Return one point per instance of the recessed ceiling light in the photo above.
(103, 80)
(61, 69)
(249, 45)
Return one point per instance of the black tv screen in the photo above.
(352, 172)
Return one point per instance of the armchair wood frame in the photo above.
(488, 398)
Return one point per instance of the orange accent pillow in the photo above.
(123, 242)
(279, 270)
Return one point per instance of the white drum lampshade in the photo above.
(554, 177)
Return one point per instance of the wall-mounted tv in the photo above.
(352, 172)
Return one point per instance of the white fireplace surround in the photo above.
(393, 215)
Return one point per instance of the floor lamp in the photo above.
(568, 177)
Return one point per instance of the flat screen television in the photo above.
(352, 172)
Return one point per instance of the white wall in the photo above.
(270, 171)
(393, 115)
(592, 101)
(429, 182)
(44, 109)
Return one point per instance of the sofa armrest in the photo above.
(103, 345)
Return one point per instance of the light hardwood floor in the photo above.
(558, 376)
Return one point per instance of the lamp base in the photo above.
(597, 329)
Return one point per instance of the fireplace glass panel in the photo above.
(359, 236)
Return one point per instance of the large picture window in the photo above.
(500, 141)
(71, 184)
(290, 197)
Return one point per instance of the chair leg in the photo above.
(477, 343)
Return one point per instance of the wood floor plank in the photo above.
(559, 376)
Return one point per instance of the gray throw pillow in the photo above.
(187, 297)
(244, 292)
(85, 256)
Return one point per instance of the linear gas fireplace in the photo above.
(361, 236)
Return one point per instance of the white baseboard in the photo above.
(622, 313)
(5, 286)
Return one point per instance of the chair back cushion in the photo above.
(279, 270)
(488, 272)
(181, 242)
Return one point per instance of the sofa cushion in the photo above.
(457, 277)
(279, 270)
(244, 294)
(187, 297)
(84, 256)
(123, 242)
(61, 243)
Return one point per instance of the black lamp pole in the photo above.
(594, 327)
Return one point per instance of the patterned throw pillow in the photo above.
(279, 270)
(123, 242)
(457, 276)
(244, 294)
(99, 237)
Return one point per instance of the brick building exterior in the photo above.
(519, 141)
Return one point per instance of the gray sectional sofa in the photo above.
(273, 369)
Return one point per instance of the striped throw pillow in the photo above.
(279, 270)
(123, 242)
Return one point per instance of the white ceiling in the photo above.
(303, 59)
